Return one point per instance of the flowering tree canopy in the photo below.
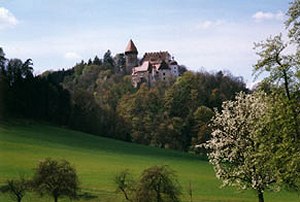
(236, 149)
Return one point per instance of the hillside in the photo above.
(98, 159)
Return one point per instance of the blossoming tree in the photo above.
(236, 149)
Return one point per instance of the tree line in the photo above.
(58, 179)
(23, 95)
(97, 97)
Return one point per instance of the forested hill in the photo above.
(97, 97)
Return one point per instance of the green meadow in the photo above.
(98, 159)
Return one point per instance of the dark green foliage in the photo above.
(2, 82)
(2, 60)
(107, 58)
(182, 69)
(16, 188)
(193, 90)
(201, 88)
(201, 130)
(158, 184)
(90, 62)
(56, 178)
(16, 70)
(35, 97)
(16, 78)
(120, 62)
(140, 110)
(95, 93)
(97, 61)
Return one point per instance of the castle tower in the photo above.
(131, 56)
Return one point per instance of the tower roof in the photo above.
(131, 48)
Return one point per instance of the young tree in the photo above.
(97, 61)
(282, 68)
(125, 184)
(158, 183)
(293, 21)
(236, 148)
(107, 58)
(90, 62)
(16, 188)
(56, 178)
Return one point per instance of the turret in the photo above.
(131, 56)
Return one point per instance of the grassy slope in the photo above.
(98, 159)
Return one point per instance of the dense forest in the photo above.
(97, 97)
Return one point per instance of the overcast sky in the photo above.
(201, 34)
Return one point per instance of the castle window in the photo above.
(164, 78)
(164, 73)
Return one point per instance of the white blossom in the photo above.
(234, 148)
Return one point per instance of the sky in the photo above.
(208, 35)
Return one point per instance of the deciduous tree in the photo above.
(201, 129)
(159, 184)
(236, 147)
(16, 188)
(281, 68)
(125, 184)
(56, 178)
(156, 184)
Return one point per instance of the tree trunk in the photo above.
(158, 197)
(55, 198)
(125, 194)
(260, 195)
(286, 85)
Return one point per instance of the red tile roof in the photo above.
(146, 66)
(131, 48)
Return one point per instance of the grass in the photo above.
(98, 159)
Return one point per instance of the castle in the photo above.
(154, 66)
